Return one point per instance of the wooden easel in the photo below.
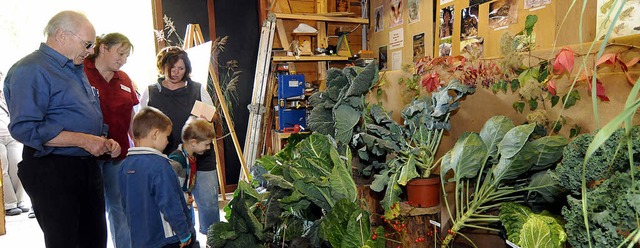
(193, 37)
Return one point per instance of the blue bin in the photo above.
(290, 86)
(291, 117)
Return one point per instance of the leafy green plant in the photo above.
(502, 163)
(307, 181)
(411, 148)
(527, 229)
(338, 109)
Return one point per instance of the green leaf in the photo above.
(380, 180)
(363, 82)
(503, 87)
(549, 150)
(528, 75)
(408, 170)
(574, 131)
(515, 139)
(321, 121)
(278, 181)
(465, 158)
(346, 118)
(495, 88)
(545, 185)
(320, 196)
(518, 106)
(392, 194)
(529, 23)
(533, 104)
(570, 99)
(342, 185)
(554, 100)
(358, 229)
(333, 227)
(513, 216)
(514, 85)
(493, 131)
(542, 231)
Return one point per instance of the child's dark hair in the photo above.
(198, 129)
(147, 119)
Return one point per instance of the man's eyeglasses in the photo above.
(87, 44)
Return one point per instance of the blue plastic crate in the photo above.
(291, 117)
(290, 86)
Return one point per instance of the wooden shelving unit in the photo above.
(320, 17)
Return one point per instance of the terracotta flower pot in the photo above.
(424, 192)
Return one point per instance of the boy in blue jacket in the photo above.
(152, 198)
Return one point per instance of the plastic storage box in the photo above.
(290, 117)
(290, 86)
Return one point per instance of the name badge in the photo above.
(125, 88)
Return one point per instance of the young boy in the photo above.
(196, 139)
(152, 199)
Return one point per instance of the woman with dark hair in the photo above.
(117, 98)
(446, 28)
(175, 94)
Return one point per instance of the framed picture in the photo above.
(395, 13)
(378, 18)
(446, 21)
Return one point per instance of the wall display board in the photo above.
(529, 4)
(502, 13)
(395, 14)
(628, 22)
(378, 18)
(469, 24)
(414, 11)
(418, 46)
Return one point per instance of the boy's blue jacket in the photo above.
(152, 199)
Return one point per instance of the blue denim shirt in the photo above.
(47, 94)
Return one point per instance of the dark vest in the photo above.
(177, 105)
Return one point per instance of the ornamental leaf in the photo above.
(564, 61)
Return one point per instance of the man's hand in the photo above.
(114, 148)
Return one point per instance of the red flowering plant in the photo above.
(397, 231)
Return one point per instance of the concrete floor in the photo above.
(25, 232)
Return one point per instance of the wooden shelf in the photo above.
(316, 17)
(308, 58)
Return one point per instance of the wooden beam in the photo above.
(316, 17)
(211, 13)
(282, 34)
(158, 23)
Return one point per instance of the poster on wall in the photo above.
(529, 4)
(446, 21)
(414, 11)
(382, 58)
(396, 60)
(396, 38)
(628, 22)
(502, 13)
(418, 46)
(395, 13)
(445, 48)
(443, 2)
(472, 48)
(378, 18)
(477, 2)
(469, 23)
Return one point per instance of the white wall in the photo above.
(22, 23)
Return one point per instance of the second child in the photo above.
(196, 139)
(152, 198)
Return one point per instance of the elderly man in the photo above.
(56, 114)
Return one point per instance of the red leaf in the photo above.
(600, 91)
(551, 86)
(609, 58)
(431, 82)
(564, 61)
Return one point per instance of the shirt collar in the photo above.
(91, 64)
(145, 150)
(57, 56)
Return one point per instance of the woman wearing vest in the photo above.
(175, 94)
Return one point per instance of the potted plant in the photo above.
(411, 148)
